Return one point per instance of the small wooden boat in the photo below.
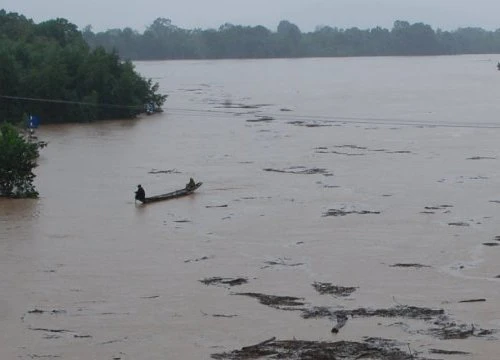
(172, 195)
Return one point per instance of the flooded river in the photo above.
(377, 174)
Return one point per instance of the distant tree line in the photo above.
(163, 40)
(49, 70)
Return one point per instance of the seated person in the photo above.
(191, 184)
(140, 194)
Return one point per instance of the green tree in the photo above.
(49, 70)
(17, 161)
(289, 37)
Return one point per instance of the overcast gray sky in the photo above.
(307, 14)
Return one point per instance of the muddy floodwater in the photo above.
(350, 205)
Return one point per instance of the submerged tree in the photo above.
(49, 70)
(17, 161)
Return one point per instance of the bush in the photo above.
(17, 161)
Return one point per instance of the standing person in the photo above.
(140, 194)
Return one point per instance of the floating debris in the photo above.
(280, 262)
(460, 223)
(328, 288)
(311, 124)
(278, 302)
(199, 259)
(50, 330)
(438, 207)
(410, 265)
(472, 300)
(448, 330)
(491, 244)
(481, 158)
(224, 281)
(408, 312)
(231, 105)
(341, 212)
(172, 171)
(261, 119)
(355, 150)
(376, 349)
(301, 170)
(448, 352)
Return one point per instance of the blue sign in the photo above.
(34, 122)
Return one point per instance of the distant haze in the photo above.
(307, 14)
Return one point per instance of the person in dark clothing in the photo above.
(140, 194)
(191, 184)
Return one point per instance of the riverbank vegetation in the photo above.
(162, 40)
(18, 158)
(49, 70)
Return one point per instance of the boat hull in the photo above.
(172, 195)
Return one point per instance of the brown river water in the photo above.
(406, 149)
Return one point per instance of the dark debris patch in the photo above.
(481, 158)
(491, 244)
(261, 119)
(231, 105)
(224, 316)
(318, 350)
(460, 223)
(410, 265)
(170, 171)
(310, 124)
(50, 330)
(438, 207)
(355, 150)
(301, 170)
(277, 302)
(51, 312)
(448, 352)
(408, 312)
(219, 281)
(341, 212)
(203, 258)
(281, 262)
(445, 329)
(328, 288)
(472, 300)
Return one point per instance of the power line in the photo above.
(294, 117)
(57, 101)
(342, 119)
